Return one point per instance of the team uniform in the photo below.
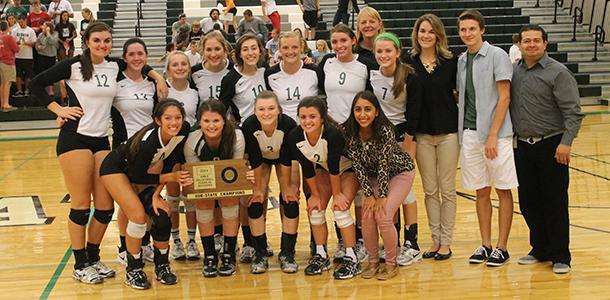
(189, 98)
(342, 81)
(132, 108)
(94, 97)
(208, 82)
(291, 88)
(394, 108)
(238, 92)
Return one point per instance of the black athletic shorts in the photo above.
(310, 17)
(24, 67)
(233, 11)
(114, 163)
(70, 140)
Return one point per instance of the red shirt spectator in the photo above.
(8, 48)
(35, 19)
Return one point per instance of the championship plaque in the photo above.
(218, 179)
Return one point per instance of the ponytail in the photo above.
(85, 58)
(400, 77)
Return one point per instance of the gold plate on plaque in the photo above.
(218, 179)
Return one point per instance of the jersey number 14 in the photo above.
(296, 94)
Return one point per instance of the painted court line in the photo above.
(60, 268)
(23, 163)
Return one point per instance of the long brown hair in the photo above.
(402, 70)
(85, 58)
(227, 141)
(352, 127)
(441, 37)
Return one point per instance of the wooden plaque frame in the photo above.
(218, 179)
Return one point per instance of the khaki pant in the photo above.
(437, 159)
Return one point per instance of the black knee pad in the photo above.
(255, 210)
(103, 216)
(161, 227)
(291, 209)
(80, 216)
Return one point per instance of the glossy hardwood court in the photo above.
(36, 260)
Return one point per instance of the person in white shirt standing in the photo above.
(514, 53)
(57, 6)
(26, 38)
(270, 13)
(207, 23)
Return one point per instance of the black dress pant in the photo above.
(543, 198)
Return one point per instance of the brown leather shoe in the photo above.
(370, 271)
(387, 273)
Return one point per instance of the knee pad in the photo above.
(230, 212)
(410, 198)
(80, 216)
(358, 199)
(343, 218)
(204, 215)
(174, 203)
(103, 216)
(189, 205)
(255, 210)
(161, 227)
(136, 231)
(291, 209)
(317, 217)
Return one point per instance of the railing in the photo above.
(577, 19)
(138, 32)
(557, 3)
(600, 37)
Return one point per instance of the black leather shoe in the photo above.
(439, 256)
(429, 254)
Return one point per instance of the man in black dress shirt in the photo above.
(545, 110)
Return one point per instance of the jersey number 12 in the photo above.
(102, 78)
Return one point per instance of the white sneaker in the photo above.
(103, 269)
(382, 254)
(269, 250)
(192, 252)
(247, 254)
(148, 253)
(360, 251)
(407, 256)
(339, 253)
(87, 275)
(121, 258)
(178, 250)
(219, 242)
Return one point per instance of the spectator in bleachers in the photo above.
(4, 6)
(182, 38)
(321, 51)
(306, 50)
(369, 25)
(179, 24)
(7, 64)
(37, 17)
(42, 6)
(66, 33)
(196, 32)
(230, 13)
(12, 22)
(46, 47)
(311, 13)
(88, 19)
(207, 23)
(17, 10)
(342, 16)
(193, 53)
(26, 38)
(270, 13)
(57, 7)
(252, 24)
(272, 43)
(514, 53)
(219, 29)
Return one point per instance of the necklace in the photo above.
(430, 65)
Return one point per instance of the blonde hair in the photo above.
(218, 37)
(370, 12)
(171, 56)
(289, 35)
(326, 49)
(90, 13)
(439, 31)
(402, 70)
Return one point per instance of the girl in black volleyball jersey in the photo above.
(292, 80)
(132, 109)
(395, 85)
(318, 144)
(241, 85)
(266, 134)
(216, 139)
(91, 79)
(135, 173)
(345, 74)
(208, 75)
(178, 72)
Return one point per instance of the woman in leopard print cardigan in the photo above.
(385, 174)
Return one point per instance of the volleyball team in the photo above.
(383, 111)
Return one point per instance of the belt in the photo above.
(535, 139)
